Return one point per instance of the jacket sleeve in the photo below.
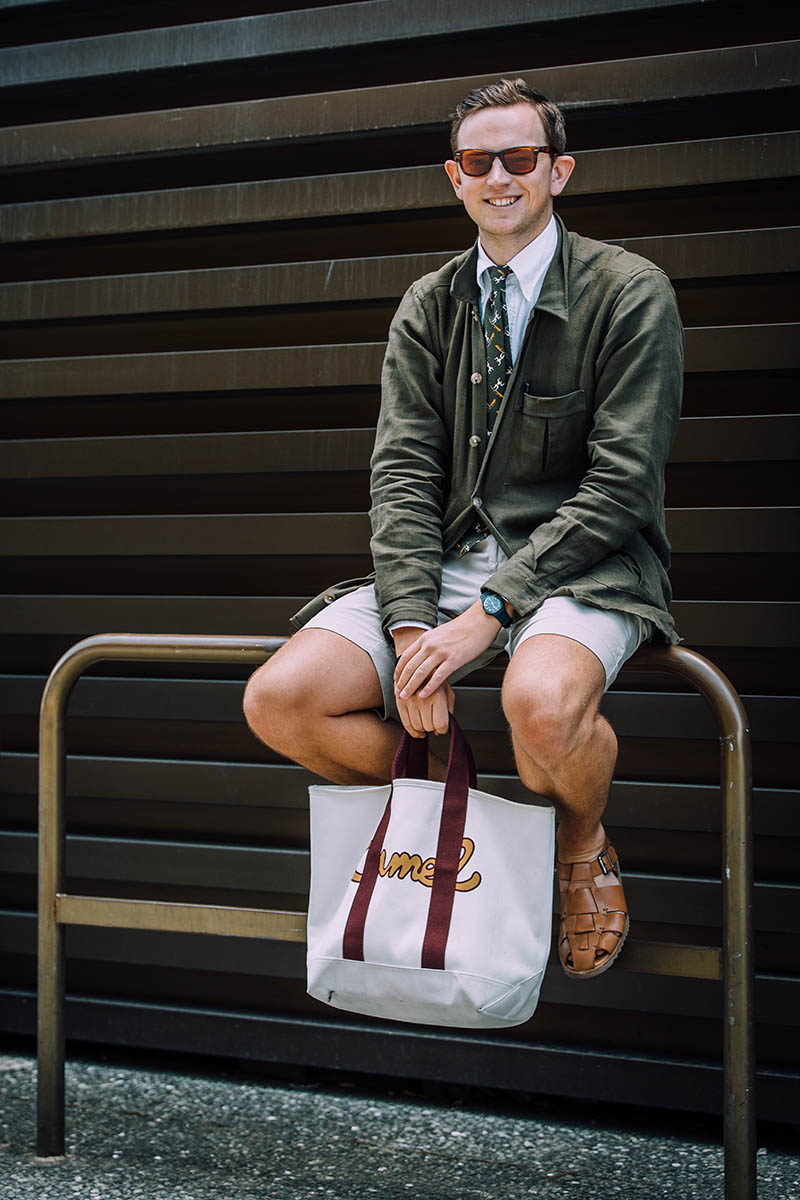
(638, 388)
(410, 465)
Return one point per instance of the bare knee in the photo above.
(547, 723)
(276, 701)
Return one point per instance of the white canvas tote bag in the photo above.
(430, 902)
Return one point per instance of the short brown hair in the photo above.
(504, 94)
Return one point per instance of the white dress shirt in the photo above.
(524, 284)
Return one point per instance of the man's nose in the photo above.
(498, 173)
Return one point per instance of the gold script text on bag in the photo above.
(430, 902)
(404, 864)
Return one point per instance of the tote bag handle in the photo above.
(460, 777)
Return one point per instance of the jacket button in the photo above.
(329, 597)
(474, 440)
(476, 378)
(478, 502)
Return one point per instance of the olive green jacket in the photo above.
(571, 482)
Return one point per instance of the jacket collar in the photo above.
(554, 296)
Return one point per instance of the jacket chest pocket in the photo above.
(548, 436)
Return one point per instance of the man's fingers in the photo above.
(428, 675)
(427, 716)
(417, 716)
(404, 676)
(441, 715)
(436, 680)
(411, 728)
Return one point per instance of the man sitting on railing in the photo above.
(530, 395)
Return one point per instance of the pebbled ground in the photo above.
(199, 1132)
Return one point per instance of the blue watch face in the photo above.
(491, 604)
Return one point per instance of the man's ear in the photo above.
(563, 166)
(454, 175)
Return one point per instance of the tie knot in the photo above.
(498, 276)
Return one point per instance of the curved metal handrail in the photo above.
(737, 871)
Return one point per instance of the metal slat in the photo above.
(635, 805)
(646, 805)
(762, 438)
(742, 348)
(687, 900)
(711, 349)
(767, 438)
(237, 784)
(734, 530)
(702, 622)
(738, 622)
(690, 531)
(254, 41)
(579, 88)
(633, 714)
(720, 255)
(625, 169)
(198, 371)
(650, 714)
(228, 534)
(158, 861)
(688, 256)
(190, 454)
(327, 282)
(81, 615)
(582, 1071)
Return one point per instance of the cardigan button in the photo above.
(474, 440)
(476, 378)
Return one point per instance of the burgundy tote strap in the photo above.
(353, 940)
(460, 775)
(410, 760)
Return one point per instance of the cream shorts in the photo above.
(612, 636)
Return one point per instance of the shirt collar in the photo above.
(529, 264)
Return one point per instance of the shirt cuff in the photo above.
(409, 625)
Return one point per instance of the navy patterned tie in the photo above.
(498, 369)
(498, 343)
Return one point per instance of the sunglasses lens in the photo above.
(476, 162)
(520, 161)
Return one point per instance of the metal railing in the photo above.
(732, 964)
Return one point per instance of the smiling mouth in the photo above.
(503, 202)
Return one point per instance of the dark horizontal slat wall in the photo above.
(205, 230)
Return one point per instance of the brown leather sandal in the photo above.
(594, 914)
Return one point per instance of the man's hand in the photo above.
(428, 660)
(427, 716)
(431, 715)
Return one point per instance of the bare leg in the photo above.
(311, 702)
(566, 750)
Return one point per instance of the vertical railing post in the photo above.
(51, 852)
(51, 847)
(738, 976)
(738, 969)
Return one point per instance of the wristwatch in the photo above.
(495, 606)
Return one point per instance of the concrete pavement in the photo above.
(194, 1130)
